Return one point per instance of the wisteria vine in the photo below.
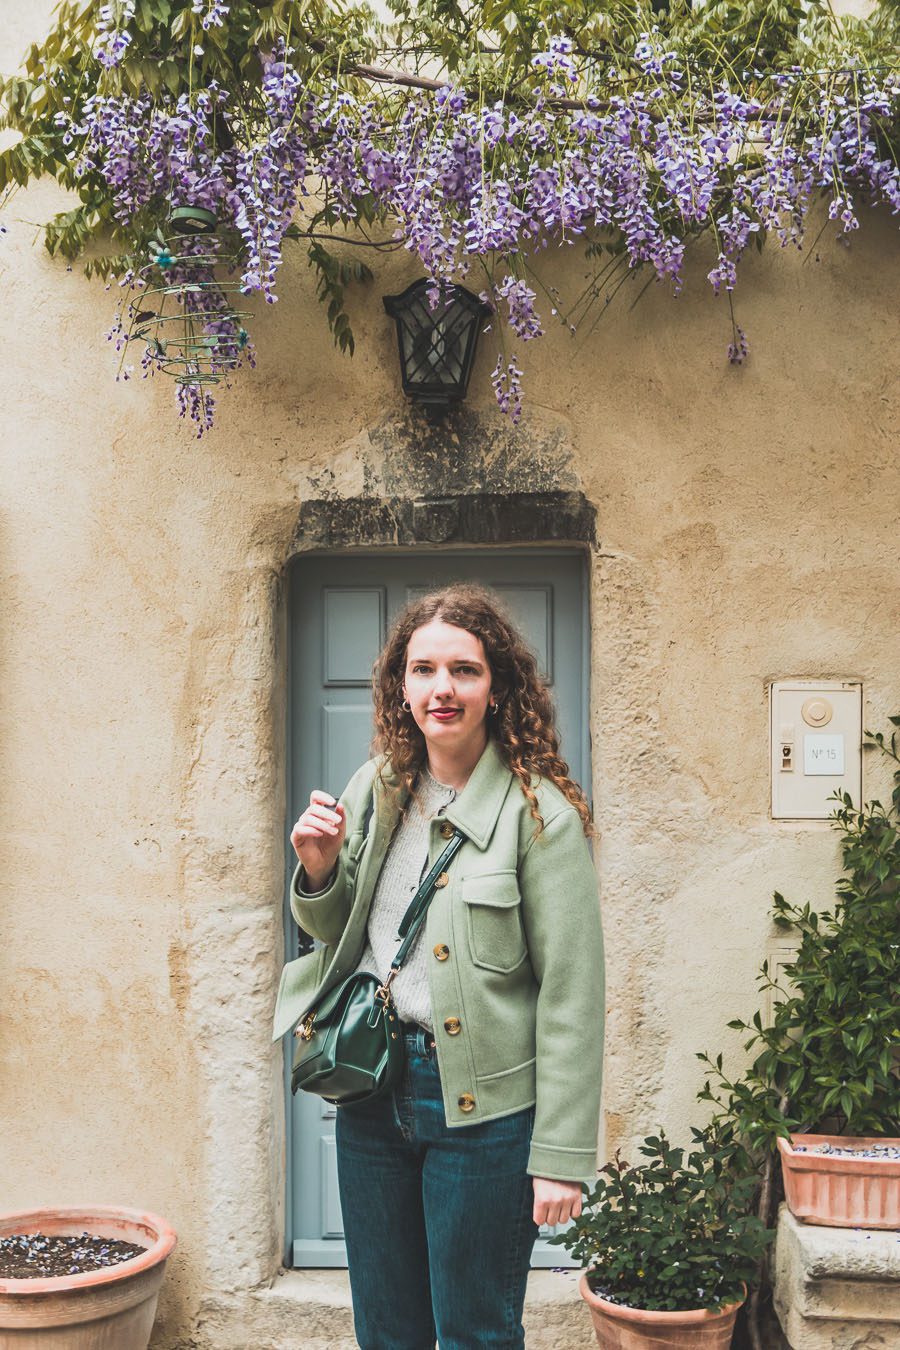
(638, 167)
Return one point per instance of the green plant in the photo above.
(831, 1054)
(671, 1234)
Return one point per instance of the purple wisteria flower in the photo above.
(507, 385)
(212, 13)
(115, 38)
(520, 304)
(460, 183)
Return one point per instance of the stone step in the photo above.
(311, 1310)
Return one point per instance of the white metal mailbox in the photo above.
(816, 746)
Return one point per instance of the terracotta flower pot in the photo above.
(841, 1192)
(108, 1309)
(619, 1327)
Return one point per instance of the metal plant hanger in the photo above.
(191, 331)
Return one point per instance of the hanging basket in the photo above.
(193, 220)
(191, 331)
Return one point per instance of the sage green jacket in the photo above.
(524, 975)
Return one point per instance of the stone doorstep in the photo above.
(837, 1288)
(311, 1310)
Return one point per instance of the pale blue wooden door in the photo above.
(340, 607)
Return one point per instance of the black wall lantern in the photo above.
(437, 346)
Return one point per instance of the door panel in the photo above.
(352, 629)
(346, 732)
(531, 609)
(340, 607)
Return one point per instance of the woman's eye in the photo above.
(419, 669)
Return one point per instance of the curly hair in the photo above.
(524, 726)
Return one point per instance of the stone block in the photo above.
(311, 1310)
(837, 1288)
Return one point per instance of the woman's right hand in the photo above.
(317, 837)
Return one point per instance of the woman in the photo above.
(444, 1181)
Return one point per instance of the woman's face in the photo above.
(447, 683)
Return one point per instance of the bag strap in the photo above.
(412, 919)
(418, 906)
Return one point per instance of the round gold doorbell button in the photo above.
(817, 712)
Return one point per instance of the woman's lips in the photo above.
(444, 714)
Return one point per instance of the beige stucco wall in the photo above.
(748, 527)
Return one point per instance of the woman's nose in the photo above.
(443, 684)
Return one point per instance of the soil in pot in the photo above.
(35, 1256)
(102, 1305)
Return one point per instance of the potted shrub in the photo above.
(110, 1305)
(825, 1083)
(668, 1246)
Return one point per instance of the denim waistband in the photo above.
(417, 1036)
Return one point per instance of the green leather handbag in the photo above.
(349, 1047)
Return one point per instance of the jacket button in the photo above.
(452, 1026)
(466, 1102)
(442, 951)
(446, 830)
(443, 878)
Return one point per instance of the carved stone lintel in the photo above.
(476, 518)
(436, 522)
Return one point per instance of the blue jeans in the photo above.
(437, 1221)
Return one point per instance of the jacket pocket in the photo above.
(494, 920)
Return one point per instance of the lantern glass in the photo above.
(437, 346)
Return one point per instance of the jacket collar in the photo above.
(474, 811)
(477, 807)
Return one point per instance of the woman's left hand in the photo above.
(556, 1201)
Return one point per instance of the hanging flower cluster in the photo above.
(114, 37)
(654, 165)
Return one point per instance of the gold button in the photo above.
(442, 951)
(446, 830)
(443, 878)
(466, 1102)
(453, 1026)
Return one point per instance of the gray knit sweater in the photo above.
(405, 864)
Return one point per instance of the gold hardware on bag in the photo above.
(442, 880)
(384, 990)
(305, 1032)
